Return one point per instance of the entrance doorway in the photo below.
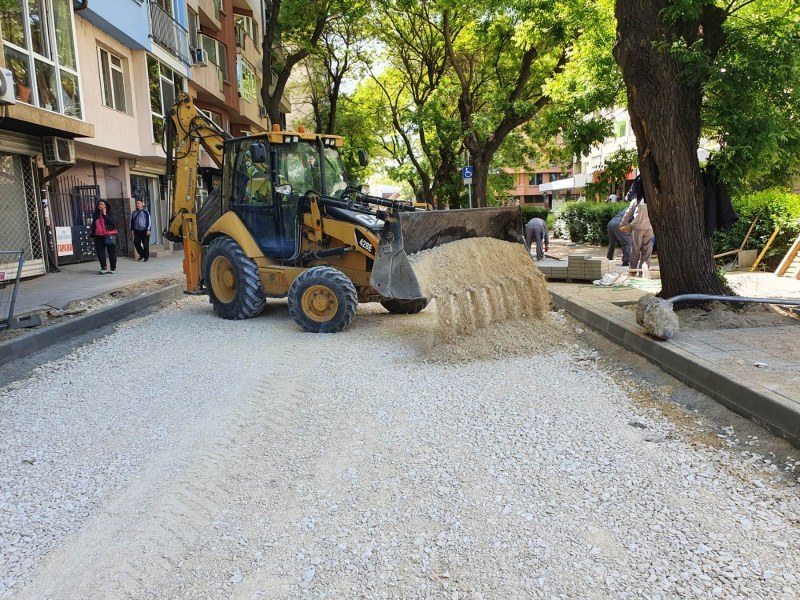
(147, 190)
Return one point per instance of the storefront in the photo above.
(21, 216)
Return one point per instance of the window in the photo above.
(245, 27)
(620, 129)
(248, 82)
(112, 80)
(39, 49)
(165, 84)
(536, 179)
(193, 26)
(213, 116)
(217, 54)
(553, 177)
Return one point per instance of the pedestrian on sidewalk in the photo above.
(104, 231)
(642, 231)
(617, 236)
(140, 225)
(536, 229)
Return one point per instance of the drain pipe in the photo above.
(709, 297)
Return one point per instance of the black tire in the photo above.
(404, 307)
(337, 300)
(233, 282)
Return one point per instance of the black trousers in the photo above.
(141, 241)
(101, 249)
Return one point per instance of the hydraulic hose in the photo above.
(704, 297)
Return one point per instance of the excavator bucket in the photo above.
(406, 233)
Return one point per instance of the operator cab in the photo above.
(266, 182)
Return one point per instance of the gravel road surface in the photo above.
(185, 456)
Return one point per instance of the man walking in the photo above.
(140, 225)
(617, 236)
(537, 229)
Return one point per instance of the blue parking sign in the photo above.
(466, 172)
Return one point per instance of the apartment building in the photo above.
(530, 181)
(42, 104)
(129, 60)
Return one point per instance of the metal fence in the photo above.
(167, 32)
(72, 203)
(11, 262)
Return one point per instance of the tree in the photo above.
(613, 174)
(504, 57)
(418, 96)
(668, 52)
(292, 30)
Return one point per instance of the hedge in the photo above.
(775, 207)
(587, 222)
(529, 212)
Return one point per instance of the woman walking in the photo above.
(104, 231)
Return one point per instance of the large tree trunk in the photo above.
(480, 179)
(664, 107)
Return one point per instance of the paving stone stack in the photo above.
(577, 268)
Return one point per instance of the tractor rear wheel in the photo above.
(322, 300)
(234, 285)
(404, 307)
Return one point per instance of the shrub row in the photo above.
(587, 222)
(529, 212)
(773, 207)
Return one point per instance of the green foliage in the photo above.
(774, 207)
(753, 95)
(587, 222)
(530, 212)
(615, 169)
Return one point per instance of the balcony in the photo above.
(167, 32)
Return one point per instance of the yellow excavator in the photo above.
(286, 222)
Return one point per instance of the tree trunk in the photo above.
(480, 179)
(664, 107)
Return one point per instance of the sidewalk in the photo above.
(83, 281)
(754, 371)
(139, 285)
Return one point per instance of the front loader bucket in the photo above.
(410, 232)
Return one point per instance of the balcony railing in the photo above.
(167, 32)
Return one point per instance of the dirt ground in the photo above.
(716, 315)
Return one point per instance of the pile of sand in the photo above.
(479, 281)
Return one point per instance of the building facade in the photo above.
(102, 75)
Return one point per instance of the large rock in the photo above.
(657, 317)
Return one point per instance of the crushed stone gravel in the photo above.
(187, 456)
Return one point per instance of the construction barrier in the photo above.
(11, 262)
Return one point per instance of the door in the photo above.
(147, 190)
(250, 194)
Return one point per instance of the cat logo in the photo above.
(364, 243)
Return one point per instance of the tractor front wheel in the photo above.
(234, 285)
(322, 300)
(404, 307)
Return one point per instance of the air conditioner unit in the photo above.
(262, 111)
(199, 57)
(7, 87)
(58, 151)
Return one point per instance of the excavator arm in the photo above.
(187, 130)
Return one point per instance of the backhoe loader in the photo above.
(287, 223)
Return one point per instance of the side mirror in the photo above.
(258, 153)
(362, 158)
(363, 189)
(284, 190)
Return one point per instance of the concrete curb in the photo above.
(755, 402)
(25, 345)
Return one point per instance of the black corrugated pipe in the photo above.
(79, 4)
